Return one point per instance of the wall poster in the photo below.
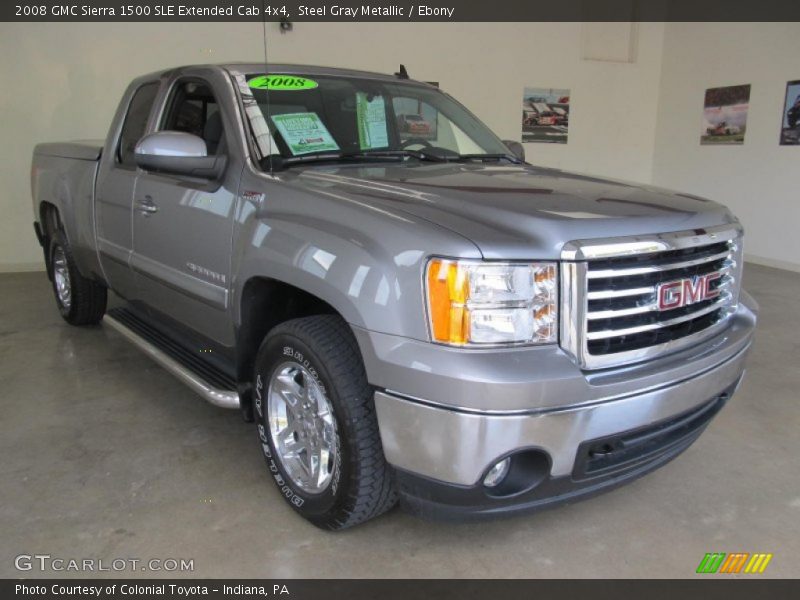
(725, 115)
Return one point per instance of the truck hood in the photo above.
(515, 211)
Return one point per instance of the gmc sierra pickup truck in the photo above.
(406, 314)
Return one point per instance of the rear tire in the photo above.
(314, 408)
(80, 301)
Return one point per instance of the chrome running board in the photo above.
(211, 384)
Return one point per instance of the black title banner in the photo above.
(399, 589)
(403, 10)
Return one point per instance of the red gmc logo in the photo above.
(684, 292)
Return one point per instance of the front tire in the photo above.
(317, 425)
(80, 301)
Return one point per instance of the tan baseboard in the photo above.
(21, 267)
(771, 262)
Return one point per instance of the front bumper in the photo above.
(442, 451)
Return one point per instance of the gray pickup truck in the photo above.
(405, 307)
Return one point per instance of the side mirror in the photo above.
(516, 148)
(178, 153)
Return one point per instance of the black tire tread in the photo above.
(334, 343)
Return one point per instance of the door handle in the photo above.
(146, 206)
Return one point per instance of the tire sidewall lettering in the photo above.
(259, 400)
(303, 360)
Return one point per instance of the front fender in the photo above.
(365, 261)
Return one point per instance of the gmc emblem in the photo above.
(684, 292)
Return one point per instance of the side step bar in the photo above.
(188, 371)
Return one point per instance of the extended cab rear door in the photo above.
(182, 225)
(116, 179)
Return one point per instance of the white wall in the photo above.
(759, 180)
(63, 81)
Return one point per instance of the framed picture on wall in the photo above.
(545, 115)
(725, 115)
(790, 123)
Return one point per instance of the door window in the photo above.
(194, 109)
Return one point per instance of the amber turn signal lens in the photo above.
(475, 303)
(448, 289)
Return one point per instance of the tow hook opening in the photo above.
(517, 473)
(601, 450)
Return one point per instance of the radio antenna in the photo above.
(266, 87)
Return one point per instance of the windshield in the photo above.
(295, 117)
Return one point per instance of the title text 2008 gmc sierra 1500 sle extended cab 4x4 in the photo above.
(405, 313)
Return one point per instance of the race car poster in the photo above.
(545, 115)
(790, 128)
(415, 119)
(725, 115)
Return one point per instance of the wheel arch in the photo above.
(50, 222)
(264, 304)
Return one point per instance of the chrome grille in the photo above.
(610, 294)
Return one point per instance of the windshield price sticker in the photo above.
(304, 133)
(282, 83)
(372, 129)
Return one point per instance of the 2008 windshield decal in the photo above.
(282, 83)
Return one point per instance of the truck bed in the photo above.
(63, 175)
(77, 150)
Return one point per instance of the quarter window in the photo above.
(136, 122)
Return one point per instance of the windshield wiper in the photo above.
(285, 161)
(282, 162)
(507, 157)
(437, 155)
(398, 154)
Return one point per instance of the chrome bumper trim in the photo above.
(457, 447)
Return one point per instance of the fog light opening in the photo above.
(517, 474)
(497, 473)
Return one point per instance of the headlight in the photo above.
(473, 303)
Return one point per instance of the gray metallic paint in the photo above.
(77, 150)
(113, 202)
(532, 379)
(515, 212)
(374, 226)
(358, 237)
(68, 184)
(193, 226)
(364, 260)
(412, 438)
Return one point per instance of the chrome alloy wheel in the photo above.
(302, 427)
(61, 276)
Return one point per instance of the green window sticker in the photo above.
(282, 83)
(371, 117)
(304, 133)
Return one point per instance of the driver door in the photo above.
(182, 225)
